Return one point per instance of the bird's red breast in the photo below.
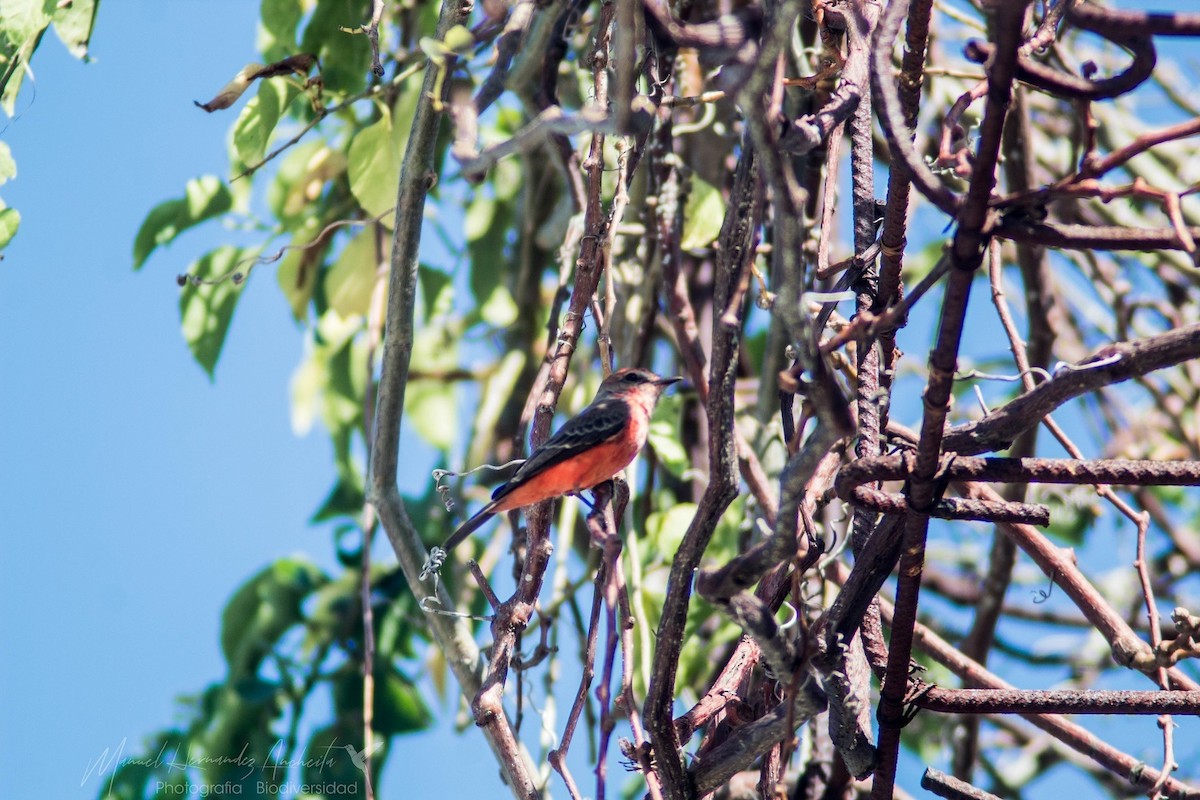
(588, 450)
(582, 471)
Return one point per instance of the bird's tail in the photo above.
(469, 527)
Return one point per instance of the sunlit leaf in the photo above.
(277, 31)
(345, 57)
(297, 272)
(434, 284)
(204, 198)
(480, 213)
(8, 167)
(10, 220)
(459, 39)
(22, 23)
(307, 384)
(73, 23)
(430, 407)
(345, 385)
(665, 529)
(703, 214)
(374, 168)
(351, 280)
(664, 435)
(500, 310)
(487, 228)
(205, 310)
(257, 121)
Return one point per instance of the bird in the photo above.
(586, 451)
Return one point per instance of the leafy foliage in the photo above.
(22, 25)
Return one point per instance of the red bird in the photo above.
(590, 448)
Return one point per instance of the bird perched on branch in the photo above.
(589, 449)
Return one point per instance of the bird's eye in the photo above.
(633, 377)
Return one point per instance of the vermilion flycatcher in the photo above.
(585, 452)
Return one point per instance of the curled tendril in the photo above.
(1108, 361)
(238, 276)
(428, 601)
(444, 491)
(975, 374)
(433, 565)
(1042, 595)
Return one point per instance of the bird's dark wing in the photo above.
(597, 423)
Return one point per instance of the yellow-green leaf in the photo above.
(73, 23)
(351, 279)
(8, 167)
(257, 121)
(374, 168)
(10, 220)
(205, 310)
(204, 198)
(297, 273)
(703, 214)
(430, 407)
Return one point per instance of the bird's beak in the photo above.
(663, 383)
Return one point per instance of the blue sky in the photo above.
(137, 494)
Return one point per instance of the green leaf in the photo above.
(345, 359)
(703, 215)
(509, 176)
(10, 220)
(297, 273)
(298, 183)
(487, 226)
(308, 382)
(206, 310)
(277, 32)
(435, 349)
(204, 198)
(498, 386)
(73, 23)
(459, 39)
(478, 219)
(431, 407)
(664, 435)
(8, 167)
(345, 499)
(500, 310)
(435, 49)
(327, 762)
(22, 24)
(350, 282)
(257, 120)
(335, 610)
(433, 283)
(261, 611)
(701, 638)
(21, 20)
(665, 529)
(374, 168)
(345, 57)
(399, 707)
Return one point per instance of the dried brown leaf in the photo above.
(299, 64)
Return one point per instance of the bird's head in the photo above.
(634, 382)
